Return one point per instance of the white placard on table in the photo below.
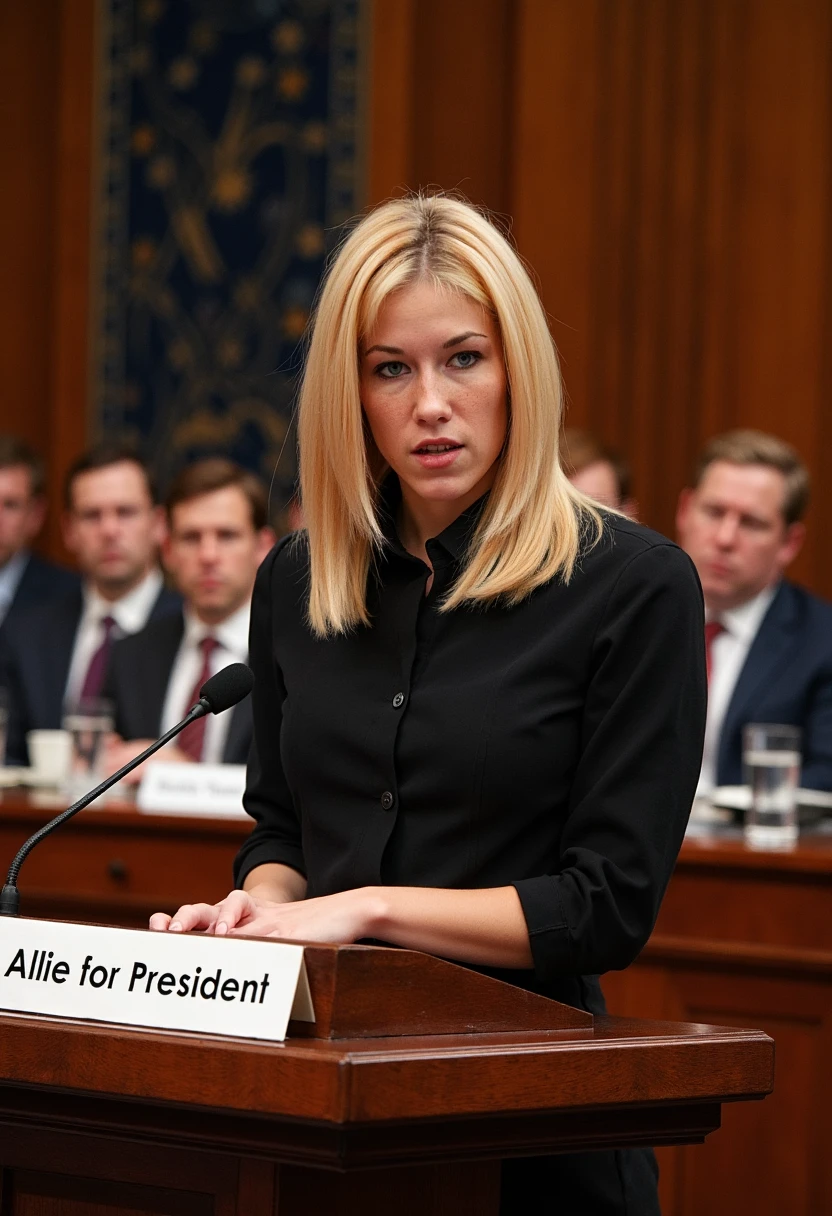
(193, 789)
(215, 985)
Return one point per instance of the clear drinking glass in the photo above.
(88, 724)
(771, 759)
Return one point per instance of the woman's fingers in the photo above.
(234, 910)
(194, 917)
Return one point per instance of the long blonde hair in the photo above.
(530, 529)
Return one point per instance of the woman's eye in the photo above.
(391, 370)
(466, 358)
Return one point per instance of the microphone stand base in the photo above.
(9, 901)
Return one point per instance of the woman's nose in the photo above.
(431, 402)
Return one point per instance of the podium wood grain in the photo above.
(99, 1119)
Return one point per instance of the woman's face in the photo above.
(433, 388)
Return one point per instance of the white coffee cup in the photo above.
(50, 755)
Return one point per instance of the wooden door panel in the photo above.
(92, 1176)
(768, 1156)
(39, 1193)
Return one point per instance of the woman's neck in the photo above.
(421, 519)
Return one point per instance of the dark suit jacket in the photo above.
(137, 681)
(35, 656)
(787, 677)
(41, 583)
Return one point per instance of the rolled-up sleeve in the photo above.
(639, 762)
(277, 833)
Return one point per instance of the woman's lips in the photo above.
(432, 459)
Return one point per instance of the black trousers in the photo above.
(620, 1183)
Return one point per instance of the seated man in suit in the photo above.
(57, 653)
(769, 642)
(25, 579)
(597, 470)
(217, 537)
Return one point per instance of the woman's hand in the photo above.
(485, 927)
(266, 885)
(237, 907)
(344, 917)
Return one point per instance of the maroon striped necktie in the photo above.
(192, 739)
(94, 679)
(712, 631)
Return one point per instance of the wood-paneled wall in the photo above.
(667, 167)
(666, 164)
(671, 187)
(46, 129)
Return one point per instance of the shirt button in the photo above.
(386, 800)
(398, 700)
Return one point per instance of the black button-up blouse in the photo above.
(554, 745)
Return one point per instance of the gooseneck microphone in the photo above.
(222, 691)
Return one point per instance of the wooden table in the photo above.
(744, 938)
(115, 865)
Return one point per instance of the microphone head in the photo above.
(227, 687)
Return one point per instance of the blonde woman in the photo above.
(479, 698)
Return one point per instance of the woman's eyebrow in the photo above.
(463, 338)
(397, 350)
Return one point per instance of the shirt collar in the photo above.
(232, 633)
(744, 621)
(454, 539)
(132, 611)
(11, 574)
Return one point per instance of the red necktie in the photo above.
(192, 739)
(94, 678)
(712, 630)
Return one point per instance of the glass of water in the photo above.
(771, 759)
(89, 724)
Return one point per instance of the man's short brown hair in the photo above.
(579, 449)
(15, 454)
(101, 457)
(217, 473)
(756, 447)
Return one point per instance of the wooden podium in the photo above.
(417, 1078)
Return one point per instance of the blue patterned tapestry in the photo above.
(230, 157)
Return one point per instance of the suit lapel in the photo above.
(769, 653)
(156, 665)
(27, 587)
(167, 603)
(57, 647)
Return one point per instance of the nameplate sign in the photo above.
(215, 985)
(193, 789)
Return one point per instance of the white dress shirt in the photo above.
(10, 576)
(728, 654)
(130, 613)
(232, 639)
